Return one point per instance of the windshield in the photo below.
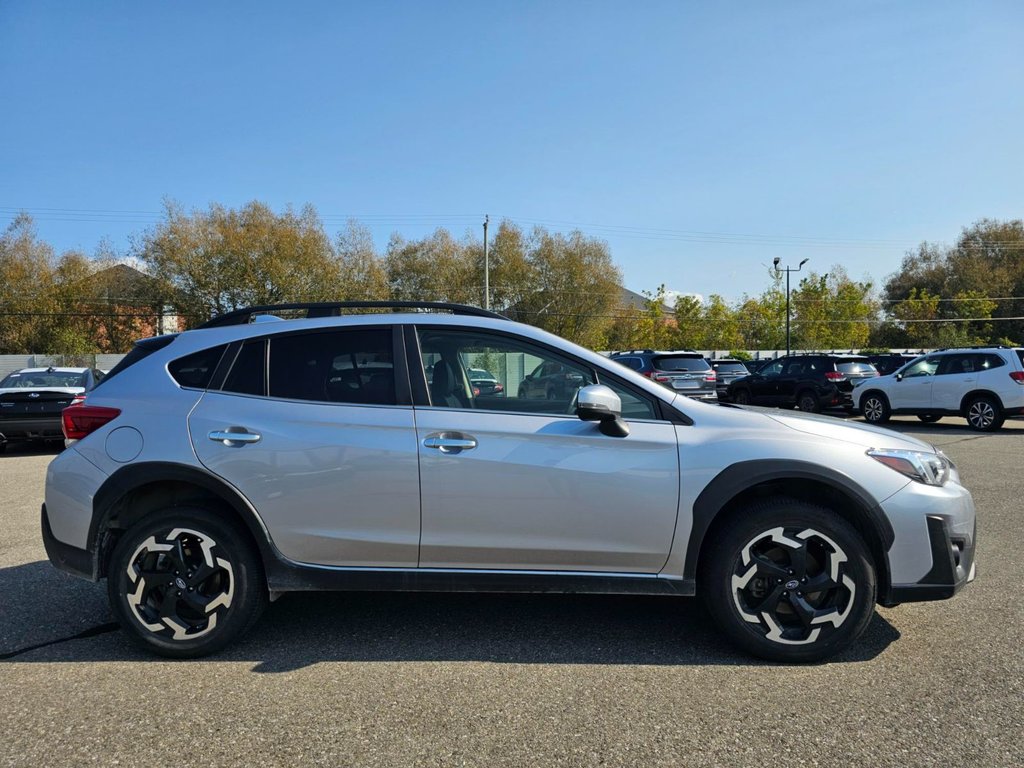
(730, 367)
(41, 379)
(680, 363)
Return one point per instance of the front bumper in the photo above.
(953, 566)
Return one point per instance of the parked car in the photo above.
(726, 371)
(484, 383)
(31, 401)
(217, 468)
(551, 380)
(891, 362)
(985, 385)
(683, 371)
(809, 382)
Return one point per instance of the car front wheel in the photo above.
(789, 581)
(184, 583)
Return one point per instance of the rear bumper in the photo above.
(27, 428)
(953, 566)
(65, 557)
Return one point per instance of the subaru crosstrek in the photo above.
(216, 469)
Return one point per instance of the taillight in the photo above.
(1017, 376)
(659, 377)
(77, 400)
(498, 388)
(711, 376)
(81, 420)
(834, 376)
(476, 391)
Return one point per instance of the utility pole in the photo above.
(487, 267)
(787, 270)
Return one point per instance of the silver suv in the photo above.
(218, 468)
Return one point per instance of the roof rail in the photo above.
(333, 309)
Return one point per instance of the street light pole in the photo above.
(787, 270)
(487, 267)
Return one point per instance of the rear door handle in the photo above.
(450, 442)
(234, 436)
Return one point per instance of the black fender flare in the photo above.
(744, 475)
(133, 476)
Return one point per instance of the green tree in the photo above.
(26, 289)
(363, 273)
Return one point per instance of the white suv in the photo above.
(221, 467)
(982, 384)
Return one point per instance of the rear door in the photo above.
(957, 375)
(316, 430)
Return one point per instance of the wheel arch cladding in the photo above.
(748, 480)
(976, 393)
(137, 490)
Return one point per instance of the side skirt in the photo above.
(291, 577)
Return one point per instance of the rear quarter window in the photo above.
(195, 371)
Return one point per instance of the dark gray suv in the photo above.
(683, 371)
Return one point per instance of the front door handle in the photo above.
(235, 436)
(450, 442)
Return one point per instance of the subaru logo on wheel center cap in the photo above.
(792, 584)
(180, 583)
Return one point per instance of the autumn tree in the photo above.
(213, 261)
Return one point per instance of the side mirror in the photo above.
(599, 403)
(899, 377)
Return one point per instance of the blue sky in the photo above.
(699, 139)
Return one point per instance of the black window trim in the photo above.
(663, 412)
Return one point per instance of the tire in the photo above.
(807, 402)
(984, 414)
(226, 573)
(754, 578)
(742, 397)
(929, 418)
(874, 407)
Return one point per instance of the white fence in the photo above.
(10, 363)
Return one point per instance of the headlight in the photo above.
(927, 468)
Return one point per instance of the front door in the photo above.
(520, 483)
(914, 389)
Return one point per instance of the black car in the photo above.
(683, 371)
(808, 382)
(551, 381)
(893, 361)
(727, 371)
(32, 399)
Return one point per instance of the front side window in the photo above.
(926, 366)
(339, 366)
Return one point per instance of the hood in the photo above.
(831, 428)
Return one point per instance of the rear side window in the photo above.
(248, 374)
(680, 363)
(631, 362)
(1020, 355)
(347, 366)
(195, 371)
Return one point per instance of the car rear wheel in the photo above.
(807, 402)
(875, 408)
(984, 414)
(929, 418)
(184, 583)
(789, 581)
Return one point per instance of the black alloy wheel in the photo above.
(184, 584)
(807, 402)
(789, 581)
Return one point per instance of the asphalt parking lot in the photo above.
(483, 680)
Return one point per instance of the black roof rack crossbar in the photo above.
(333, 308)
